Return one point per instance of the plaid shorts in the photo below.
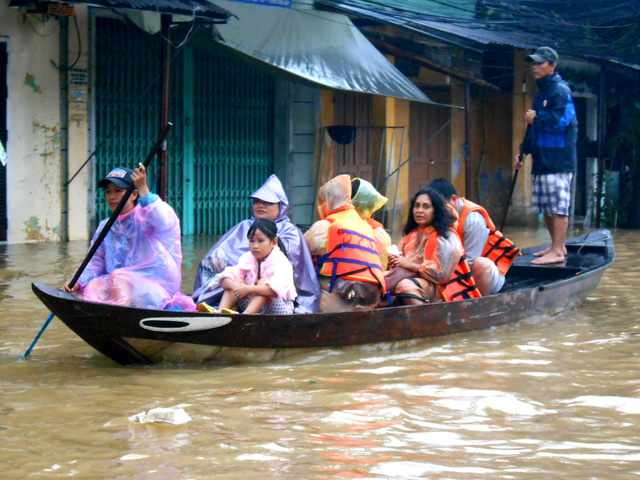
(551, 193)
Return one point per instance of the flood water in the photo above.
(549, 397)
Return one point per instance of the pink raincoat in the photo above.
(276, 268)
(139, 262)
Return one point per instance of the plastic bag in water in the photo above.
(171, 416)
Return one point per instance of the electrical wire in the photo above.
(592, 27)
(131, 107)
(66, 69)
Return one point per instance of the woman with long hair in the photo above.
(429, 251)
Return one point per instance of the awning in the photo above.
(198, 8)
(320, 47)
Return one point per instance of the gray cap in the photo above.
(119, 176)
(543, 54)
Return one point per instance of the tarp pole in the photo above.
(601, 119)
(63, 72)
(468, 173)
(163, 154)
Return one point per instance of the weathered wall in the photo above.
(34, 129)
(33, 146)
(79, 188)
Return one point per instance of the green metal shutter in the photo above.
(127, 99)
(221, 146)
(233, 139)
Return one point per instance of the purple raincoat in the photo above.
(139, 261)
(230, 247)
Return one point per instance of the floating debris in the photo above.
(171, 416)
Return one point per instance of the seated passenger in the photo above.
(269, 202)
(366, 200)
(431, 256)
(488, 251)
(139, 262)
(262, 282)
(344, 251)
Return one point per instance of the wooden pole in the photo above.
(601, 133)
(468, 172)
(163, 154)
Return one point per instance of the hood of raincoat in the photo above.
(366, 199)
(272, 191)
(335, 195)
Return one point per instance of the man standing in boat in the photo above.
(552, 145)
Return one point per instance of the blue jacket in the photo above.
(554, 132)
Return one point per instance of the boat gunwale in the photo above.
(406, 322)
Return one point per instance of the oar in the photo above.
(515, 176)
(103, 233)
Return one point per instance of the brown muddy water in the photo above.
(548, 397)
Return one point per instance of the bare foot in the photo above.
(547, 250)
(550, 258)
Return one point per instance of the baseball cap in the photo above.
(119, 176)
(543, 54)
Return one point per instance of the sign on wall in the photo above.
(77, 94)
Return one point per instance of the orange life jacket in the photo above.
(351, 251)
(461, 285)
(374, 223)
(499, 249)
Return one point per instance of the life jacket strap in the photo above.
(353, 232)
(507, 251)
(463, 279)
(366, 267)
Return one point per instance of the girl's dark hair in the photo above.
(266, 226)
(442, 219)
(269, 228)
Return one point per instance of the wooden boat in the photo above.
(142, 336)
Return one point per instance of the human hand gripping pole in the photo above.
(527, 133)
(103, 233)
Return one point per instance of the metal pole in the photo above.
(395, 199)
(380, 161)
(600, 175)
(163, 155)
(316, 181)
(63, 72)
(468, 174)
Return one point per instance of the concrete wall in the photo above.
(34, 128)
(79, 150)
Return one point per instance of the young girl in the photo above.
(262, 282)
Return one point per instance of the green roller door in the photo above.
(221, 146)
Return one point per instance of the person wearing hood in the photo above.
(269, 202)
(344, 251)
(367, 200)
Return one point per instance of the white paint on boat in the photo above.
(183, 324)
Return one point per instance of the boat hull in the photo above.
(141, 336)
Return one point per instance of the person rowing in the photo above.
(139, 262)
